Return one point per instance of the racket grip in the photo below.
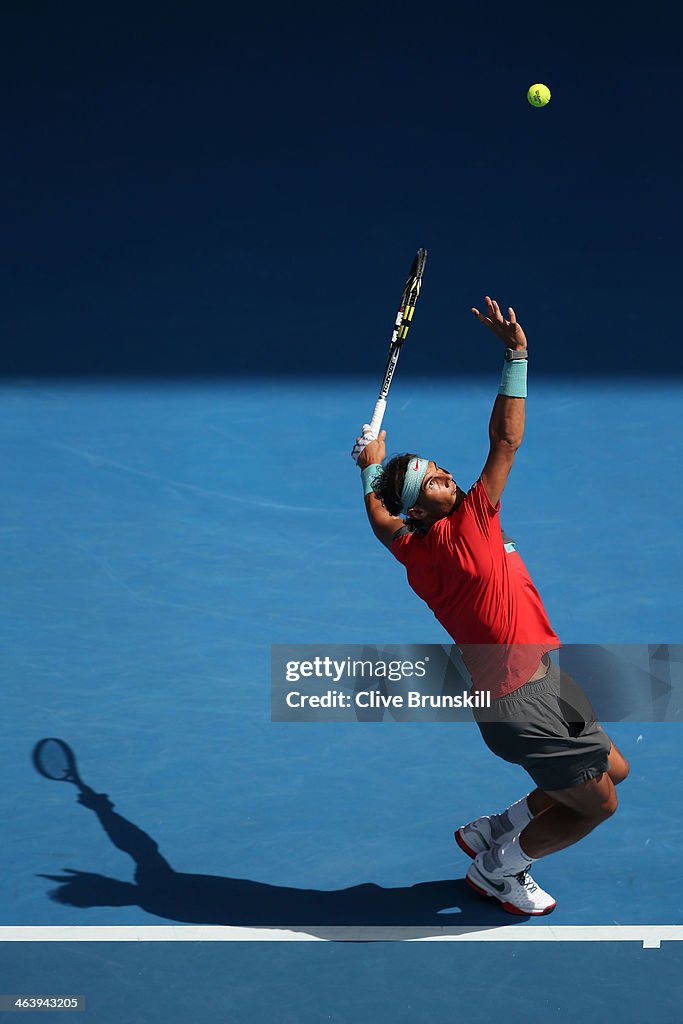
(378, 416)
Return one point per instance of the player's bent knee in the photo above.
(608, 807)
(598, 801)
(619, 767)
(619, 771)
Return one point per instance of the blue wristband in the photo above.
(513, 379)
(368, 477)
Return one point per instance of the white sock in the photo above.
(510, 821)
(508, 859)
(519, 814)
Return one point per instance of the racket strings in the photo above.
(53, 759)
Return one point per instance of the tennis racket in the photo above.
(56, 760)
(403, 320)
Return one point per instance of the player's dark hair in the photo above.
(389, 486)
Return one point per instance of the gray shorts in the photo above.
(549, 728)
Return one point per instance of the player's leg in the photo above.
(509, 883)
(502, 872)
(548, 728)
(480, 834)
(577, 809)
(576, 812)
(539, 800)
(546, 702)
(576, 776)
(618, 766)
(618, 769)
(483, 832)
(576, 773)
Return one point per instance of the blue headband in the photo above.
(415, 474)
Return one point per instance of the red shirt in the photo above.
(481, 594)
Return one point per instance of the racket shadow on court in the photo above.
(216, 900)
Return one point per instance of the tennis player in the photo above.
(460, 563)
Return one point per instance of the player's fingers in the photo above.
(512, 315)
(496, 309)
(483, 319)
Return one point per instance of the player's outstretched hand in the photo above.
(366, 436)
(374, 451)
(509, 331)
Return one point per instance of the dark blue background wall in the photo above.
(210, 188)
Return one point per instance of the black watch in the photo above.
(515, 354)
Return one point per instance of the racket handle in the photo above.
(378, 416)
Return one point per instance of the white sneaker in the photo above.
(475, 837)
(478, 836)
(518, 894)
(482, 833)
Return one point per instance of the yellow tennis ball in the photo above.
(538, 95)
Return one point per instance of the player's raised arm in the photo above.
(384, 525)
(506, 428)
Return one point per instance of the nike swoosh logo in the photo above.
(416, 466)
(502, 887)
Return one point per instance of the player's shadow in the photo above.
(215, 900)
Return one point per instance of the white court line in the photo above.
(651, 936)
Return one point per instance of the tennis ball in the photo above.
(538, 95)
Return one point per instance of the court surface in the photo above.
(157, 539)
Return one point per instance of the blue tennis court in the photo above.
(209, 210)
(158, 539)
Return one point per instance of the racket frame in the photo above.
(71, 775)
(402, 323)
